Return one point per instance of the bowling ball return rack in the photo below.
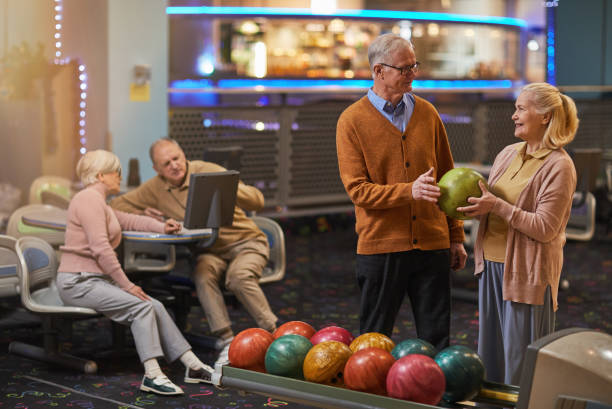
(492, 395)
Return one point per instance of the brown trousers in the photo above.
(238, 269)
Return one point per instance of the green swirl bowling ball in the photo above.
(455, 187)
(463, 370)
(285, 356)
(413, 346)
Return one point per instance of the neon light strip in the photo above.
(177, 86)
(366, 14)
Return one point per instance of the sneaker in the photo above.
(160, 385)
(203, 374)
(223, 358)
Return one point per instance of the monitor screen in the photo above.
(211, 199)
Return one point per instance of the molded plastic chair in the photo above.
(275, 270)
(58, 188)
(36, 270)
(9, 280)
(581, 224)
(16, 228)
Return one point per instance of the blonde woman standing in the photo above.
(519, 248)
(90, 275)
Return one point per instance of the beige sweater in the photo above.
(536, 227)
(378, 165)
(171, 200)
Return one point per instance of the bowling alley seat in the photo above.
(17, 228)
(581, 224)
(35, 269)
(53, 190)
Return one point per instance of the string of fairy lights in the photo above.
(58, 16)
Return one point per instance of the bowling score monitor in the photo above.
(211, 199)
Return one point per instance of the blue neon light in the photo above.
(551, 74)
(287, 83)
(373, 14)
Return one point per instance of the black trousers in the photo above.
(424, 276)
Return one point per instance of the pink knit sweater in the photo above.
(536, 227)
(93, 231)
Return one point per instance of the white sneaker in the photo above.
(223, 358)
(160, 385)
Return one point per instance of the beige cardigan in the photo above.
(536, 227)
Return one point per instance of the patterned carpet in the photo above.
(319, 288)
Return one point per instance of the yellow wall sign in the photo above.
(140, 93)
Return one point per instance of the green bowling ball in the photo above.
(285, 356)
(413, 346)
(455, 187)
(463, 370)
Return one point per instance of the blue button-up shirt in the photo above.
(398, 115)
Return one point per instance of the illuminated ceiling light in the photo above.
(323, 6)
(205, 65)
(533, 45)
(83, 150)
(260, 60)
(81, 67)
(260, 126)
(249, 27)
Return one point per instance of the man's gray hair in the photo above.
(384, 45)
(157, 142)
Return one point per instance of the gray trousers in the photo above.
(506, 328)
(155, 333)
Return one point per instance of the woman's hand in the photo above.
(172, 226)
(479, 205)
(139, 292)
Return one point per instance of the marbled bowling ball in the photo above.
(248, 349)
(414, 346)
(294, 327)
(463, 370)
(372, 340)
(325, 362)
(417, 378)
(332, 333)
(366, 370)
(285, 356)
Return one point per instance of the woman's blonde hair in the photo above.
(563, 114)
(96, 162)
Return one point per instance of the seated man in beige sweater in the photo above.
(237, 258)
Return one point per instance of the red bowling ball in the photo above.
(294, 328)
(366, 370)
(332, 333)
(417, 378)
(248, 349)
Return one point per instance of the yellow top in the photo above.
(509, 187)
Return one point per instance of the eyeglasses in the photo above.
(414, 68)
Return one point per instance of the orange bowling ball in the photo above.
(324, 363)
(296, 328)
(372, 340)
(248, 349)
(366, 370)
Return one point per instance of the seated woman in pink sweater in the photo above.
(90, 275)
(519, 248)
